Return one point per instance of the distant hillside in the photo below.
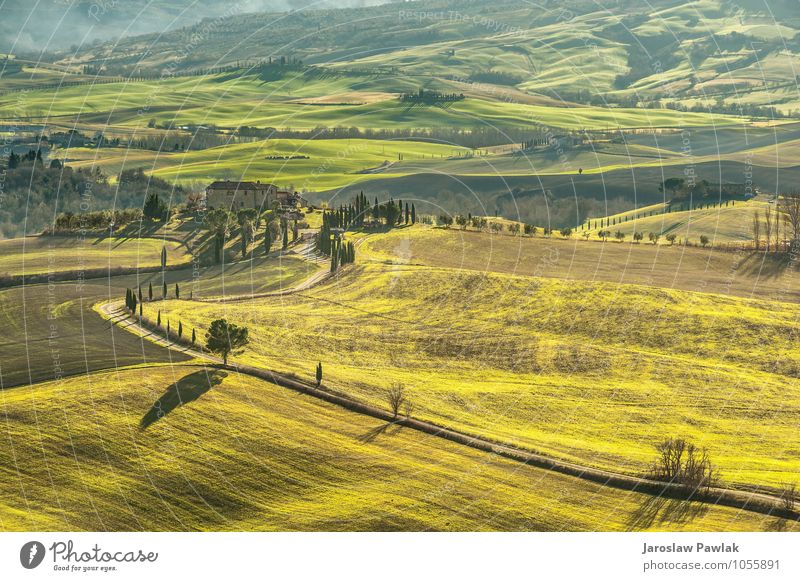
(720, 52)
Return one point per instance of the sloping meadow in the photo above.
(594, 372)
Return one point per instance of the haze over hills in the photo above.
(58, 24)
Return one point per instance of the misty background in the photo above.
(55, 25)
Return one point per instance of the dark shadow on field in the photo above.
(185, 390)
(658, 510)
(766, 266)
(776, 525)
(371, 435)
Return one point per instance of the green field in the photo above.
(52, 254)
(533, 360)
(243, 454)
(233, 101)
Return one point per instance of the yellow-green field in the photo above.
(594, 372)
(233, 101)
(720, 224)
(118, 452)
(45, 254)
(742, 273)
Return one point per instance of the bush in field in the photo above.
(566, 232)
(704, 240)
(637, 237)
(671, 239)
(682, 462)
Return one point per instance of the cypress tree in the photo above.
(319, 373)
(267, 241)
(140, 310)
(413, 214)
(164, 291)
(177, 291)
(158, 320)
(285, 236)
(180, 329)
(194, 336)
(150, 292)
(163, 257)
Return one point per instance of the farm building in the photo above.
(238, 195)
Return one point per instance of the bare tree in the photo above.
(790, 205)
(768, 226)
(756, 231)
(789, 496)
(396, 397)
(682, 462)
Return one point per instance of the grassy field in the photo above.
(742, 274)
(53, 331)
(234, 100)
(720, 224)
(595, 372)
(51, 254)
(243, 454)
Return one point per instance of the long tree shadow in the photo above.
(378, 430)
(185, 390)
(659, 510)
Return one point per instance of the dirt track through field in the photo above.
(753, 501)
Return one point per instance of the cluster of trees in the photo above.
(342, 252)
(360, 213)
(34, 194)
(14, 160)
(472, 137)
(132, 301)
(777, 230)
(681, 462)
(99, 220)
(430, 97)
(221, 224)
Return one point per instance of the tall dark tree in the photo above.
(177, 291)
(319, 373)
(150, 292)
(164, 290)
(285, 235)
(413, 214)
(163, 257)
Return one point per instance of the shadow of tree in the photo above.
(659, 510)
(378, 430)
(185, 390)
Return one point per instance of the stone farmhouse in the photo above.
(236, 196)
